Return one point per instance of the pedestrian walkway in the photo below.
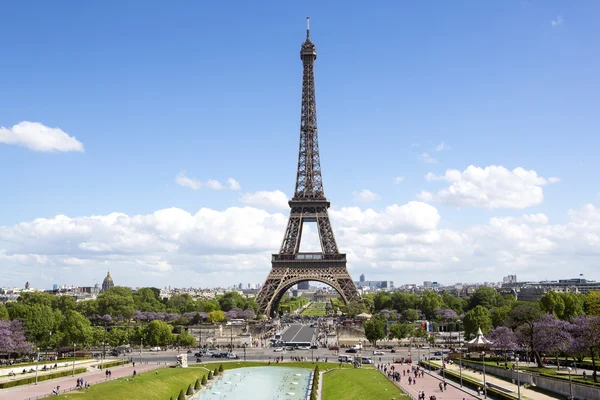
(430, 385)
(478, 376)
(61, 366)
(95, 376)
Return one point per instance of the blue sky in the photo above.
(212, 91)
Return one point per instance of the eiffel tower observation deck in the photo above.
(308, 204)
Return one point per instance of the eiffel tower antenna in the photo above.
(308, 204)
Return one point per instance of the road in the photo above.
(298, 333)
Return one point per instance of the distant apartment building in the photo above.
(509, 279)
(304, 285)
(430, 285)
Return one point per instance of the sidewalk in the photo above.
(93, 377)
(477, 376)
(430, 385)
(62, 366)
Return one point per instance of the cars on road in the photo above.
(351, 351)
(278, 349)
(378, 353)
(333, 348)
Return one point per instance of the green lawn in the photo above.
(314, 310)
(359, 384)
(146, 386)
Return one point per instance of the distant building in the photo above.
(107, 283)
(304, 285)
(509, 279)
(375, 284)
(362, 278)
(27, 285)
(430, 285)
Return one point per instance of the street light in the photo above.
(37, 360)
(570, 383)
(245, 351)
(460, 364)
(141, 346)
(484, 384)
(73, 372)
(518, 378)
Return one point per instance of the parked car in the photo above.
(334, 348)
(351, 351)
(314, 346)
(304, 348)
(278, 349)
(155, 349)
(378, 353)
(233, 356)
(366, 360)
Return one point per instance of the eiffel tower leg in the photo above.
(293, 235)
(328, 244)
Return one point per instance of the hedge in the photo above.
(112, 364)
(31, 379)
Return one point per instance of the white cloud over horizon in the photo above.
(365, 196)
(183, 180)
(175, 247)
(427, 158)
(490, 187)
(266, 200)
(38, 137)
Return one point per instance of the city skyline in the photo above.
(168, 155)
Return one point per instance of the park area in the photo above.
(316, 309)
(162, 384)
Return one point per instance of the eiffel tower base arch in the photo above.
(282, 278)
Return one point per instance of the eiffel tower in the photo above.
(309, 204)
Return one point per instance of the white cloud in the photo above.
(38, 137)
(365, 196)
(442, 146)
(557, 21)
(553, 179)
(426, 158)
(536, 218)
(425, 196)
(183, 180)
(266, 200)
(398, 180)
(210, 247)
(490, 187)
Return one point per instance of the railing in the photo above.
(308, 257)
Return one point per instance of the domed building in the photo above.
(107, 283)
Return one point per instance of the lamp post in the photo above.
(37, 360)
(484, 384)
(73, 372)
(518, 379)
(460, 364)
(244, 351)
(570, 383)
(103, 349)
(141, 346)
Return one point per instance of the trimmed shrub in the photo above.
(181, 395)
(216, 372)
(220, 368)
(197, 384)
(204, 381)
(210, 375)
(31, 379)
(190, 391)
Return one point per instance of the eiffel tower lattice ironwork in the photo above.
(309, 204)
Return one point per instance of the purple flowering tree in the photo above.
(248, 314)
(503, 338)
(585, 332)
(552, 336)
(12, 338)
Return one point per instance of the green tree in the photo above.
(485, 296)
(478, 317)
(553, 303)
(116, 302)
(410, 315)
(64, 303)
(231, 300)
(400, 331)
(89, 308)
(374, 330)
(216, 316)
(182, 303)
(592, 302)
(500, 315)
(3, 313)
(39, 320)
(157, 333)
(184, 339)
(208, 305)
(75, 328)
(429, 303)
(521, 319)
(147, 299)
(454, 303)
(356, 307)
(573, 305)
(33, 298)
(404, 301)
